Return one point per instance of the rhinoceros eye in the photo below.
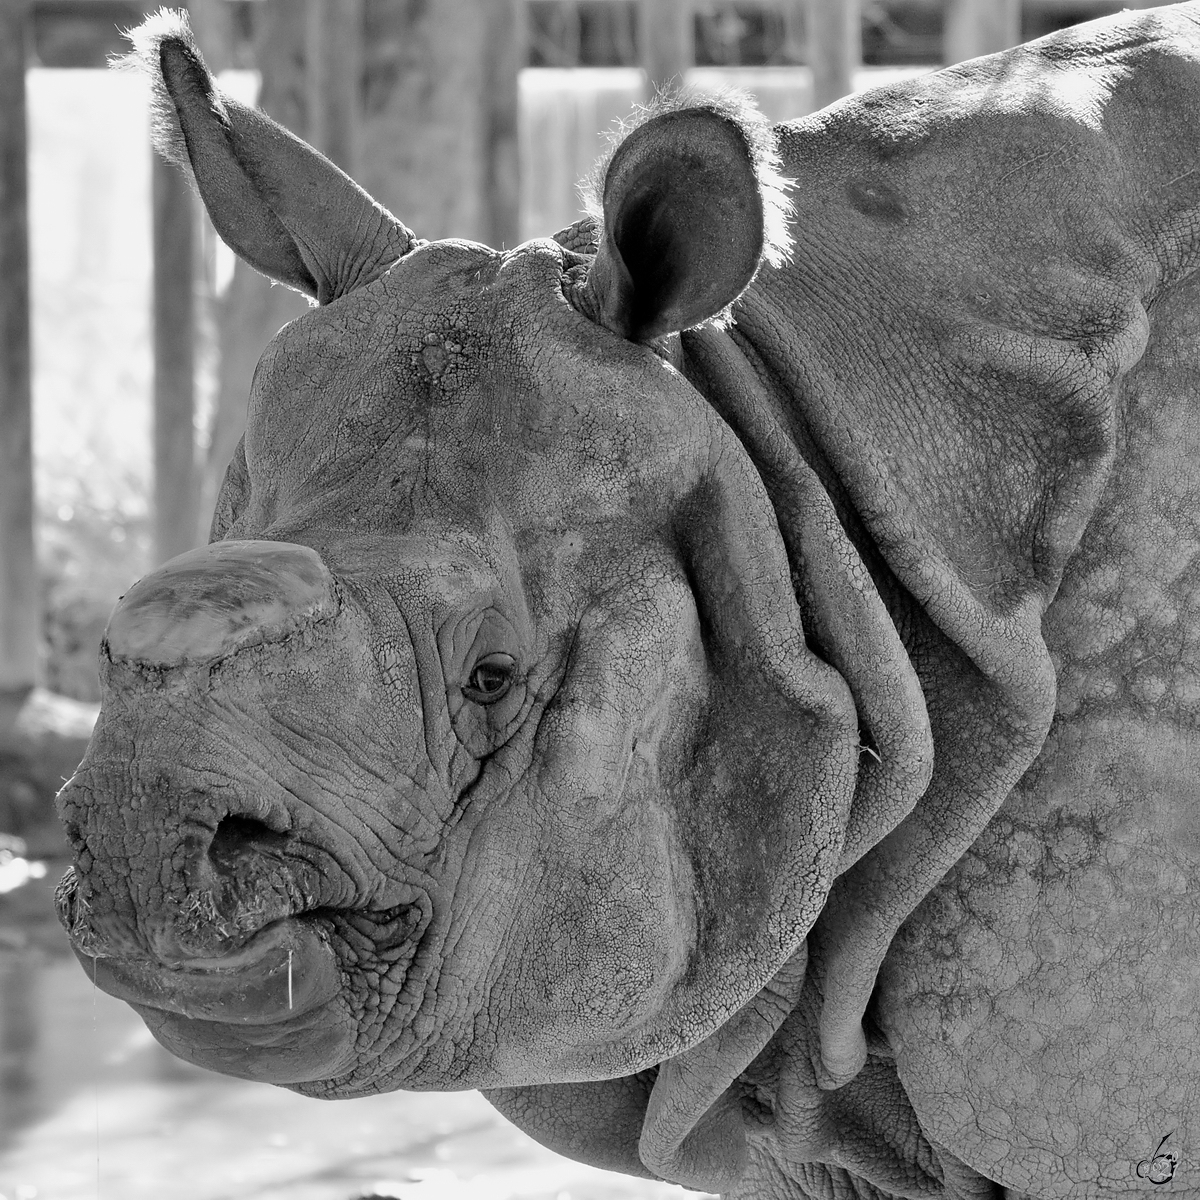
(490, 679)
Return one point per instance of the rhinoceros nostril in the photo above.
(239, 884)
(238, 838)
(250, 878)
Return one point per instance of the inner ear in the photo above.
(646, 233)
(683, 224)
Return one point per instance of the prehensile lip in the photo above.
(286, 970)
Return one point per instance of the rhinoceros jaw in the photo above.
(212, 602)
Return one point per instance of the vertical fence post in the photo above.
(19, 624)
(668, 41)
(834, 48)
(333, 78)
(212, 26)
(794, 14)
(504, 56)
(176, 519)
(975, 27)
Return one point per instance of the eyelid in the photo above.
(495, 658)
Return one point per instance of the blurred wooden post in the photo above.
(795, 30)
(504, 56)
(19, 624)
(176, 520)
(212, 25)
(668, 41)
(333, 78)
(834, 48)
(975, 27)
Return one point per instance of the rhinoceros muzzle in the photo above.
(243, 934)
(235, 893)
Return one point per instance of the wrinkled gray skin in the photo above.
(760, 756)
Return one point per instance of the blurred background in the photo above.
(128, 336)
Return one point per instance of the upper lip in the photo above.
(282, 972)
(277, 973)
(245, 955)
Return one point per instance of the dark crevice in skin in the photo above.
(387, 930)
(812, 643)
(877, 1040)
(374, 940)
(866, 742)
(866, 739)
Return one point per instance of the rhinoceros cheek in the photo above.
(315, 1047)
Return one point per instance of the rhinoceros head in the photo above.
(482, 746)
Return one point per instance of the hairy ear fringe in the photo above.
(739, 108)
(166, 25)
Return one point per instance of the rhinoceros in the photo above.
(724, 680)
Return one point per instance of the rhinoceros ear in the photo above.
(284, 208)
(692, 204)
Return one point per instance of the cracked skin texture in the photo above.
(1056, 963)
(835, 837)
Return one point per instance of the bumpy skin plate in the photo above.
(1008, 407)
(1056, 964)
